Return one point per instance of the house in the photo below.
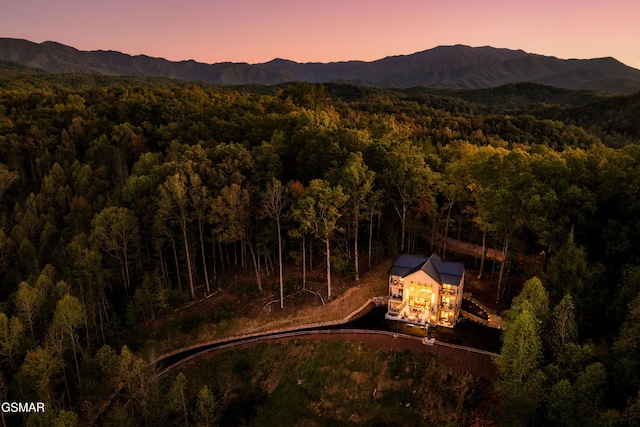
(425, 291)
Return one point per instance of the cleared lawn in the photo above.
(303, 382)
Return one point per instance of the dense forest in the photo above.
(122, 198)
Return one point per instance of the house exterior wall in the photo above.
(419, 299)
(396, 294)
(424, 295)
(450, 303)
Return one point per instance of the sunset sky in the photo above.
(330, 30)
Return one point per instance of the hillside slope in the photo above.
(459, 67)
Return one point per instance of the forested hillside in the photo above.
(455, 67)
(123, 198)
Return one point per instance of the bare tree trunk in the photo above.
(504, 261)
(175, 256)
(126, 269)
(371, 234)
(163, 270)
(446, 230)
(304, 264)
(86, 319)
(434, 232)
(213, 257)
(280, 262)
(328, 268)
(124, 277)
(103, 306)
(204, 258)
(235, 253)
(186, 249)
(75, 352)
(221, 256)
(255, 265)
(266, 267)
(483, 256)
(243, 254)
(269, 260)
(355, 246)
(403, 217)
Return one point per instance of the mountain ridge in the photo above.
(455, 66)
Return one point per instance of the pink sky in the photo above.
(330, 30)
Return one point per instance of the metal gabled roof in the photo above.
(404, 265)
(439, 270)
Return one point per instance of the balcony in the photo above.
(396, 296)
(394, 308)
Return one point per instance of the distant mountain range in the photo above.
(454, 67)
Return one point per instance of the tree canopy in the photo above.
(122, 197)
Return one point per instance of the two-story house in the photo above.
(425, 291)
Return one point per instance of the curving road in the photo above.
(466, 336)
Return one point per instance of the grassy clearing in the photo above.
(326, 383)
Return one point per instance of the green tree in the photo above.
(626, 354)
(120, 416)
(89, 276)
(507, 197)
(568, 271)
(274, 202)
(201, 202)
(29, 299)
(590, 389)
(41, 370)
(319, 210)
(140, 384)
(469, 167)
(631, 414)
(231, 218)
(52, 417)
(109, 361)
(197, 167)
(66, 419)
(561, 195)
(11, 336)
(7, 178)
(535, 294)
(406, 177)
(178, 399)
(7, 250)
(174, 206)
(356, 180)
(206, 410)
(453, 192)
(501, 185)
(299, 229)
(68, 317)
(626, 291)
(115, 229)
(561, 406)
(520, 378)
(562, 328)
